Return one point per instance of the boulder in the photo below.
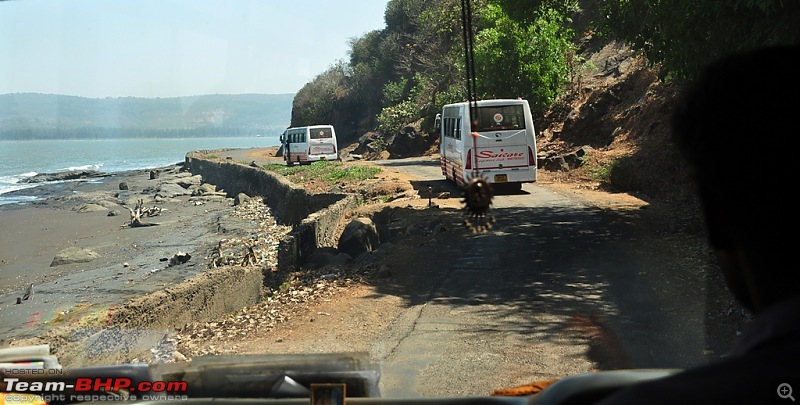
(405, 143)
(568, 161)
(170, 190)
(241, 198)
(73, 255)
(408, 142)
(204, 189)
(123, 195)
(359, 236)
(188, 182)
(556, 163)
(179, 258)
(363, 143)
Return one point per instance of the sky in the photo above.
(171, 48)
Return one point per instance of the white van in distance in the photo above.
(309, 144)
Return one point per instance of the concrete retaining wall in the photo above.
(209, 295)
(129, 331)
(291, 208)
(320, 229)
(315, 217)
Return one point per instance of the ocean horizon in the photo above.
(22, 159)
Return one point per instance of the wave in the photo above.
(95, 166)
(11, 183)
(15, 178)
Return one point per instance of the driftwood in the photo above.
(139, 211)
(28, 294)
(217, 259)
(250, 258)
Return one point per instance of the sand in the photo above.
(130, 261)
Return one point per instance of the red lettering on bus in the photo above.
(487, 154)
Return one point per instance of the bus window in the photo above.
(321, 133)
(497, 118)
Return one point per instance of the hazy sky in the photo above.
(166, 48)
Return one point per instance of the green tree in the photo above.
(316, 102)
(684, 35)
(408, 70)
(527, 11)
(523, 59)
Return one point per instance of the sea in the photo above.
(21, 159)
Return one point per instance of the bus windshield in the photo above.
(321, 133)
(501, 117)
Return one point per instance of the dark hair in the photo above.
(737, 126)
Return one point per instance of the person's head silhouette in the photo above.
(737, 127)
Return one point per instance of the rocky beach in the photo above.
(74, 244)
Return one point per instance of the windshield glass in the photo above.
(497, 118)
(321, 133)
(156, 207)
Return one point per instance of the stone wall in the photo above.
(320, 229)
(289, 204)
(209, 295)
(315, 217)
(144, 322)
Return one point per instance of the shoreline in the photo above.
(48, 215)
(38, 192)
(129, 263)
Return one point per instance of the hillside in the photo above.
(619, 107)
(37, 116)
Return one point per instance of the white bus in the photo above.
(500, 145)
(309, 144)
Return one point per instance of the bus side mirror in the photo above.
(437, 122)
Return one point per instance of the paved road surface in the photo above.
(502, 302)
(557, 287)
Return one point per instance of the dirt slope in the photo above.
(620, 107)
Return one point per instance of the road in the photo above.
(558, 286)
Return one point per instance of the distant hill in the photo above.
(52, 116)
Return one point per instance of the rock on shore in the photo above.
(61, 176)
(73, 255)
